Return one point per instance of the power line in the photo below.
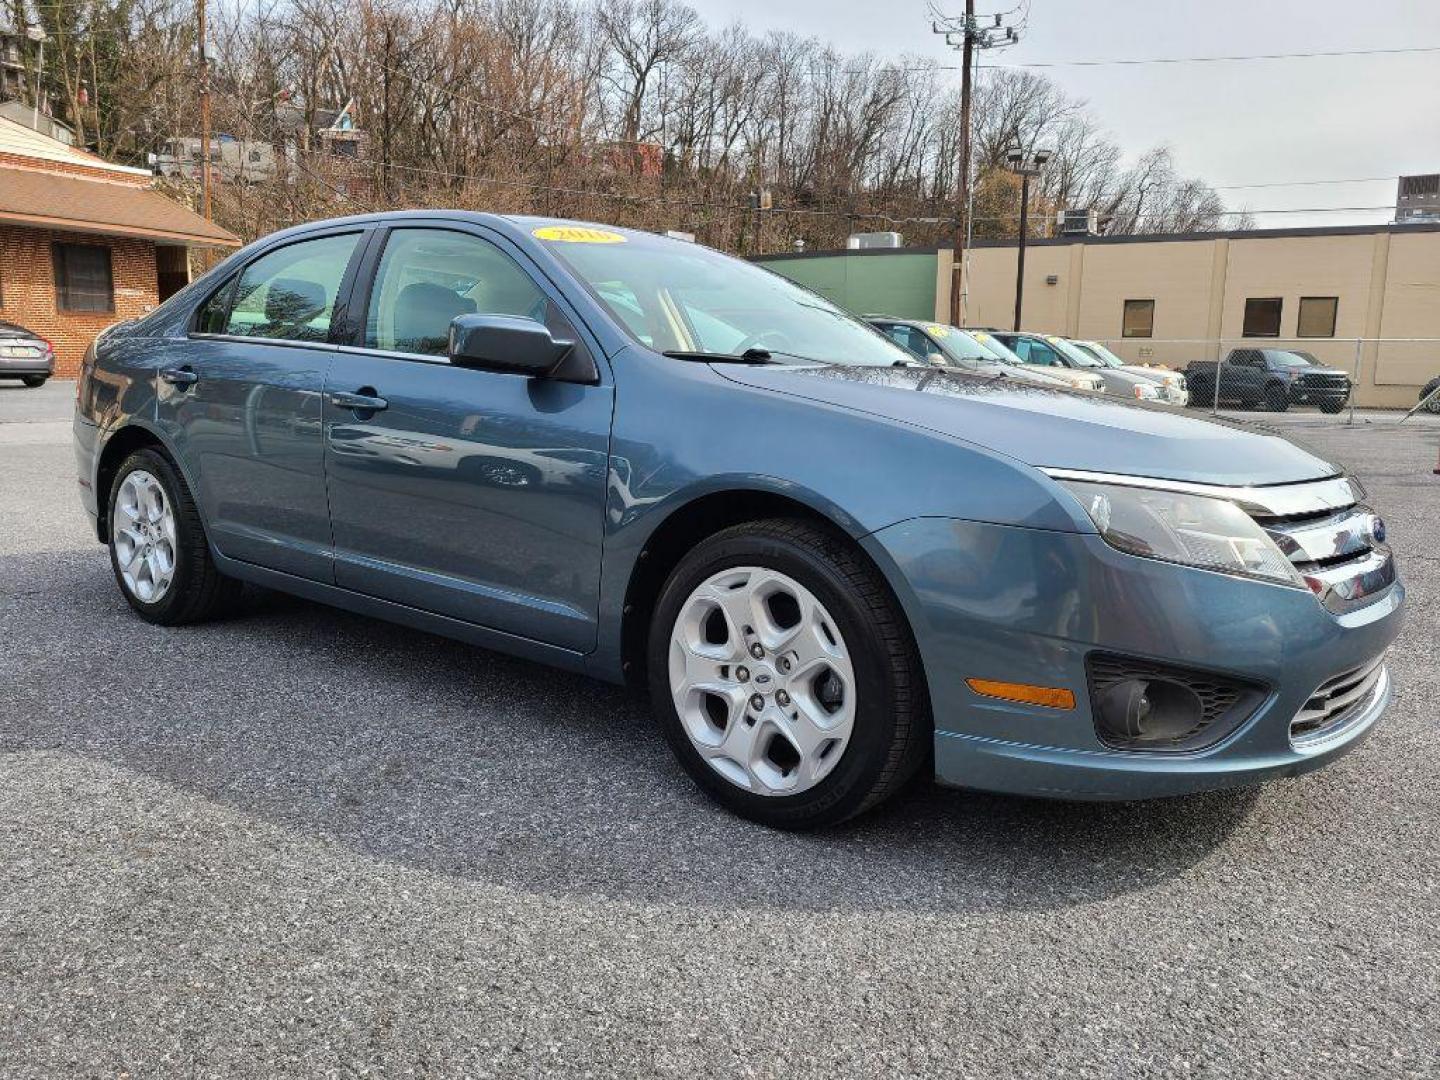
(1129, 61)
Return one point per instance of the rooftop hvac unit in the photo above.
(1079, 223)
(1418, 199)
(875, 240)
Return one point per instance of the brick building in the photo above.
(85, 243)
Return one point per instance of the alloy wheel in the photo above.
(762, 681)
(144, 537)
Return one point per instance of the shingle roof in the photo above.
(26, 142)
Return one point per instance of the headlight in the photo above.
(1212, 534)
(1147, 391)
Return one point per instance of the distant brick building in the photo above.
(85, 243)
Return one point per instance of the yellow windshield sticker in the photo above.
(575, 234)
(935, 330)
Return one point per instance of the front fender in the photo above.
(681, 432)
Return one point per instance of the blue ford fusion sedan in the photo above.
(832, 568)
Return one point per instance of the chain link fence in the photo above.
(1326, 375)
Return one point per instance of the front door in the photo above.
(241, 403)
(471, 494)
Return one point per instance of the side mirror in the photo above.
(935, 358)
(506, 343)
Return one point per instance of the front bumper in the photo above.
(1028, 606)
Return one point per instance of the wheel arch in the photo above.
(701, 517)
(121, 444)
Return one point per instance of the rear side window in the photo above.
(290, 293)
(427, 277)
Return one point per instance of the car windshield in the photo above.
(1282, 358)
(1100, 352)
(675, 296)
(958, 345)
(1075, 353)
(992, 346)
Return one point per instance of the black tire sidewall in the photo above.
(845, 790)
(168, 608)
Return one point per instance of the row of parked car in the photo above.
(1249, 378)
(1039, 358)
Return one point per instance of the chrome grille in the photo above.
(1339, 703)
(1337, 549)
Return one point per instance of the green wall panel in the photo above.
(901, 284)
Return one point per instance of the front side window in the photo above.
(1138, 319)
(290, 293)
(1036, 352)
(1262, 317)
(83, 280)
(427, 277)
(1317, 316)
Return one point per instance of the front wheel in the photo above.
(1277, 398)
(784, 676)
(1331, 406)
(158, 548)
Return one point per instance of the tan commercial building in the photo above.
(1174, 299)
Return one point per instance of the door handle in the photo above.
(181, 376)
(359, 402)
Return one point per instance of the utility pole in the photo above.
(967, 35)
(204, 110)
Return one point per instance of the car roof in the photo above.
(17, 328)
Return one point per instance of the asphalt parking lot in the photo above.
(303, 843)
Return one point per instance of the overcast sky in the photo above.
(1327, 118)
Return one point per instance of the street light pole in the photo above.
(1025, 166)
(1020, 261)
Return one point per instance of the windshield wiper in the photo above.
(749, 356)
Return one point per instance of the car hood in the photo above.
(1051, 428)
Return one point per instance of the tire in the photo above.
(890, 734)
(196, 590)
(35, 381)
(1277, 398)
(1331, 406)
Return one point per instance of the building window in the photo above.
(1139, 319)
(82, 278)
(1317, 316)
(1262, 317)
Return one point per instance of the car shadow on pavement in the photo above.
(463, 762)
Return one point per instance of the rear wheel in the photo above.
(784, 676)
(158, 548)
(34, 381)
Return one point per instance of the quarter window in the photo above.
(82, 278)
(1262, 317)
(290, 293)
(1138, 319)
(427, 277)
(1317, 316)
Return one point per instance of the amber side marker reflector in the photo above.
(1052, 697)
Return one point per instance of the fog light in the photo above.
(1139, 711)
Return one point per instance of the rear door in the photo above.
(241, 402)
(471, 494)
